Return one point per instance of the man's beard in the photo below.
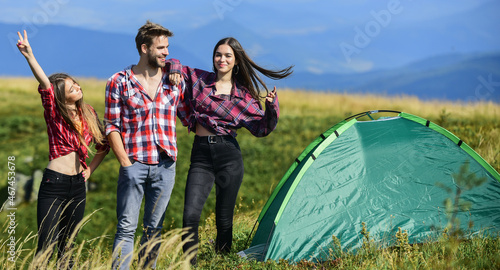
(153, 62)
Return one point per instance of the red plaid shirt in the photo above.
(145, 123)
(222, 114)
(62, 139)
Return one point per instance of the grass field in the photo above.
(304, 115)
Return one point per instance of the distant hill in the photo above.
(466, 77)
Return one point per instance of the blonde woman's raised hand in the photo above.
(270, 97)
(23, 45)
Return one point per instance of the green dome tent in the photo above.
(389, 173)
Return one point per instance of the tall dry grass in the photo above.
(305, 102)
(304, 114)
(93, 253)
(311, 103)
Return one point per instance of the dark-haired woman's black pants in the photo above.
(61, 206)
(214, 159)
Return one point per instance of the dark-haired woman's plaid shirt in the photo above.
(222, 114)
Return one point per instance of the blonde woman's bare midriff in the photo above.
(68, 164)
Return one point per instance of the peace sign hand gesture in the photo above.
(24, 46)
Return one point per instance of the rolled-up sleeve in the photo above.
(112, 113)
(259, 122)
(48, 100)
(175, 66)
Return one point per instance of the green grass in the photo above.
(304, 115)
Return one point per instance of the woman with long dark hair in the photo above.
(71, 126)
(219, 103)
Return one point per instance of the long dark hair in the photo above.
(86, 113)
(245, 74)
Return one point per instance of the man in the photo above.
(140, 118)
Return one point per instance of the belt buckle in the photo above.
(212, 139)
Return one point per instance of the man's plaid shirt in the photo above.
(145, 123)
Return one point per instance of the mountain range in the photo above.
(449, 58)
(456, 77)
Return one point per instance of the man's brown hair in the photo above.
(148, 32)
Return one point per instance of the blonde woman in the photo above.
(71, 126)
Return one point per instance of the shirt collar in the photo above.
(130, 78)
(129, 72)
(238, 91)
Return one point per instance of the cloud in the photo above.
(163, 17)
(11, 14)
(161, 14)
(299, 31)
(254, 50)
(330, 65)
(54, 12)
(318, 66)
(357, 65)
(84, 17)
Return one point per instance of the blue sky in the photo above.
(321, 26)
(278, 17)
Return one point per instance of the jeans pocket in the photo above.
(126, 168)
(52, 190)
(232, 145)
(129, 174)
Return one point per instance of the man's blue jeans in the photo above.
(154, 183)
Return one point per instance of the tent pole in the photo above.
(248, 238)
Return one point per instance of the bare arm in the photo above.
(116, 143)
(24, 47)
(96, 161)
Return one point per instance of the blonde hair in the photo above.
(86, 113)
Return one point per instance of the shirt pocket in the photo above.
(135, 108)
(134, 100)
(169, 98)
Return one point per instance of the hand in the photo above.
(86, 174)
(175, 78)
(23, 45)
(126, 164)
(270, 97)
